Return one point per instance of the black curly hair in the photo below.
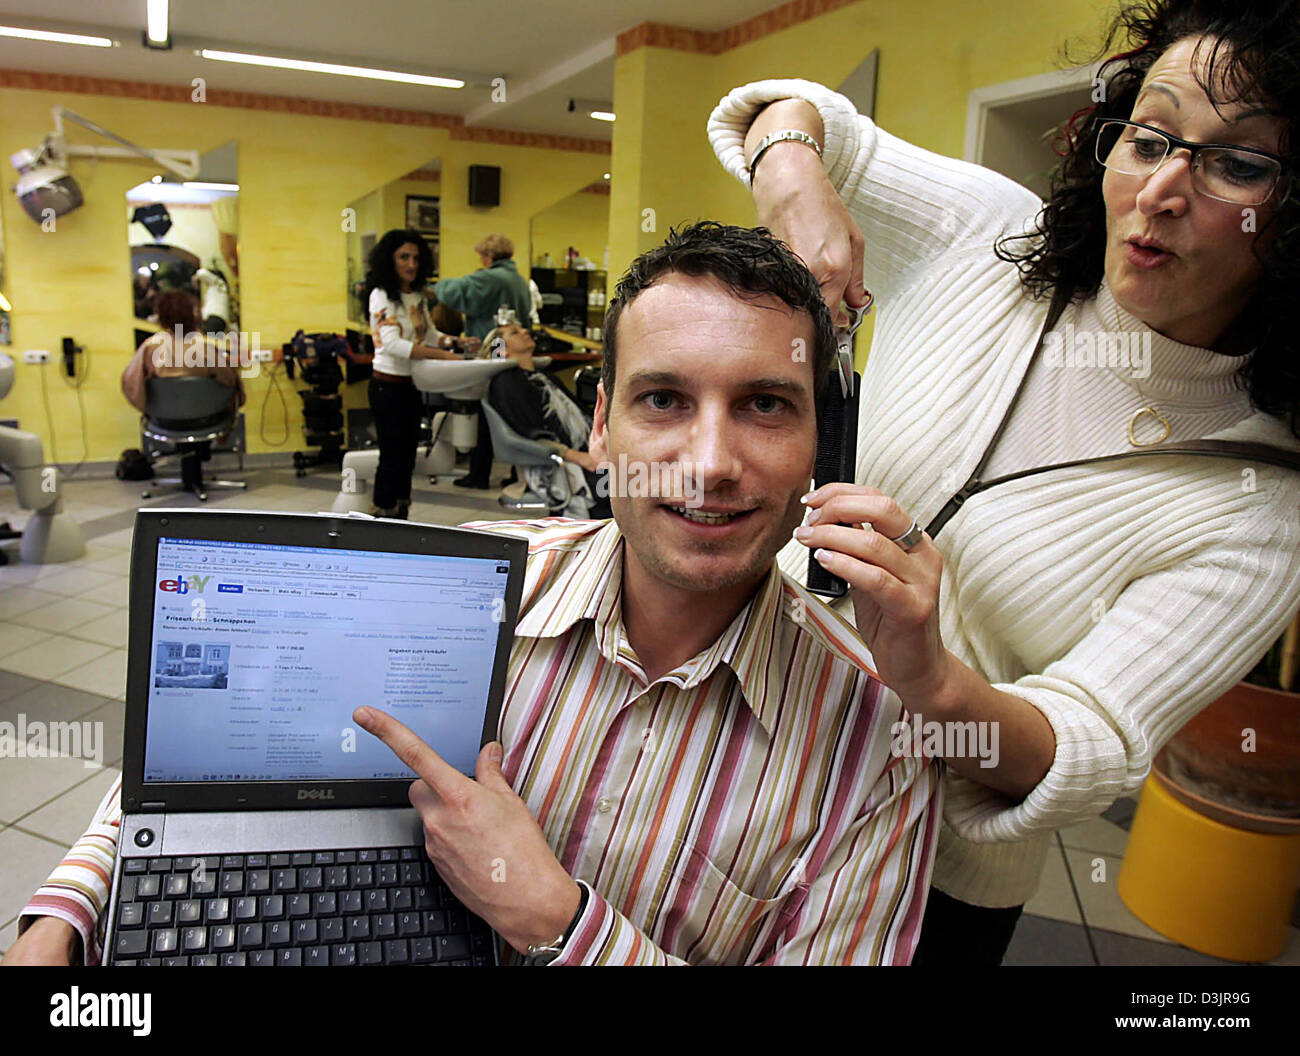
(750, 262)
(1253, 57)
(382, 272)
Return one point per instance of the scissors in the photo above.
(844, 344)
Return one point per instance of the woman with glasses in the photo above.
(1075, 604)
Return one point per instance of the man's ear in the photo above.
(596, 443)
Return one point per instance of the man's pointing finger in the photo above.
(439, 775)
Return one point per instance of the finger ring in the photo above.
(910, 537)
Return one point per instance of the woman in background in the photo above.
(400, 267)
(538, 407)
(160, 356)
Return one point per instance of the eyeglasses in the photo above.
(1239, 175)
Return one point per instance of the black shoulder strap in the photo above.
(972, 485)
(1246, 451)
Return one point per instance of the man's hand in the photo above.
(48, 941)
(483, 840)
(895, 592)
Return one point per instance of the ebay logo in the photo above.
(181, 585)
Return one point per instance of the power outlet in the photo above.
(36, 355)
(263, 355)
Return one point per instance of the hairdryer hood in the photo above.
(45, 187)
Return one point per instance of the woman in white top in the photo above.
(400, 266)
(1079, 615)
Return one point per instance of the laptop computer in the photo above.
(260, 825)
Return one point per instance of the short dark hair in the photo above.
(750, 262)
(382, 273)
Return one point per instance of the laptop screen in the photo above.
(261, 652)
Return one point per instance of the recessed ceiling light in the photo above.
(155, 179)
(156, 23)
(606, 176)
(55, 38)
(602, 115)
(331, 67)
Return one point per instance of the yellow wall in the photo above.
(296, 173)
(581, 220)
(662, 165)
(933, 53)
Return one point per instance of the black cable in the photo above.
(275, 384)
(75, 383)
(49, 417)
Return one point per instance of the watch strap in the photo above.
(546, 952)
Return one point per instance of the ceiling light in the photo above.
(599, 109)
(156, 21)
(155, 179)
(54, 38)
(5, 306)
(331, 67)
(606, 176)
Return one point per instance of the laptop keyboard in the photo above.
(354, 907)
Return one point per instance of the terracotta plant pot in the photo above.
(1206, 765)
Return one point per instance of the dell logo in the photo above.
(315, 793)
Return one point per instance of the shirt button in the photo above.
(604, 804)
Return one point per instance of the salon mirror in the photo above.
(185, 235)
(569, 254)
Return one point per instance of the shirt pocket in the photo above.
(708, 919)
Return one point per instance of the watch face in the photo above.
(539, 959)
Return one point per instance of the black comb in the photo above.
(837, 452)
(837, 435)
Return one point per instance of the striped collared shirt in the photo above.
(744, 808)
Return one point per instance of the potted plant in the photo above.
(1238, 761)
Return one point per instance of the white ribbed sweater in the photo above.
(1119, 599)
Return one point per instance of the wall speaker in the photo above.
(484, 185)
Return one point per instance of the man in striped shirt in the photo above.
(699, 766)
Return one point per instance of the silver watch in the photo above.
(544, 952)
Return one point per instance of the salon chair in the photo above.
(509, 446)
(51, 535)
(188, 413)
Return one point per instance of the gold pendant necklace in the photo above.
(1137, 416)
(1147, 410)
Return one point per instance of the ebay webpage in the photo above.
(262, 652)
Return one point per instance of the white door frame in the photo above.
(1040, 86)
